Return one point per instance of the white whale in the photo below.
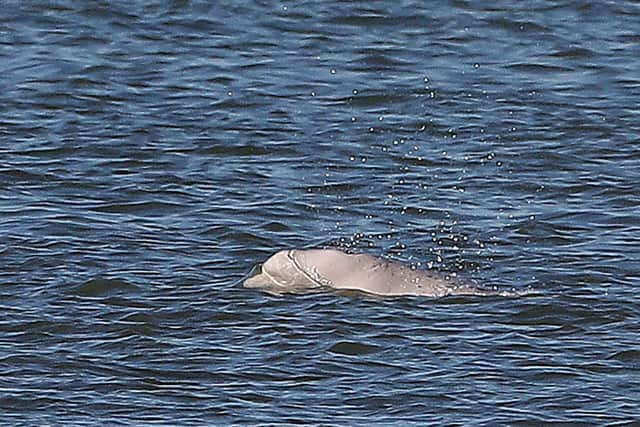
(315, 270)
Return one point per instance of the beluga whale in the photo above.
(318, 270)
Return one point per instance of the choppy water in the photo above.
(152, 152)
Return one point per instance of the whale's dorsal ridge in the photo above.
(311, 270)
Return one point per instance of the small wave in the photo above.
(99, 286)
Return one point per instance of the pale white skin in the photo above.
(308, 270)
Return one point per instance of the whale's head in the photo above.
(279, 274)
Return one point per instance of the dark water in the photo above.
(152, 152)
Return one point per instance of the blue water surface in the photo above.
(153, 152)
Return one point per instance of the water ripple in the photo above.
(154, 153)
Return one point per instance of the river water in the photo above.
(153, 152)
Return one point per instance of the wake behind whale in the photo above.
(316, 270)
